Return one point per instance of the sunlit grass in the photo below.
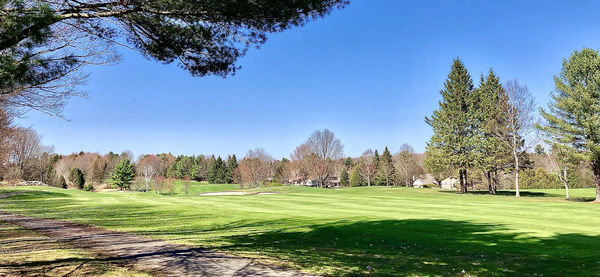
(402, 231)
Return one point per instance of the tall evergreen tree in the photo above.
(376, 162)
(348, 163)
(490, 127)
(231, 165)
(76, 178)
(386, 172)
(572, 118)
(356, 179)
(344, 178)
(217, 172)
(212, 170)
(452, 124)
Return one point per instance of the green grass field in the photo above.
(353, 231)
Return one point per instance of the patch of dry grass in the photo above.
(27, 253)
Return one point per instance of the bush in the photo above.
(169, 185)
(76, 178)
(538, 178)
(186, 186)
(356, 179)
(344, 178)
(272, 184)
(138, 184)
(162, 185)
(60, 182)
(123, 174)
(13, 175)
(157, 185)
(582, 177)
(88, 187)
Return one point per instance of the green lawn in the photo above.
(400, 231)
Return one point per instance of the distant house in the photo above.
(425, 181)
(332, 181)
(450, 183)
(303, 182)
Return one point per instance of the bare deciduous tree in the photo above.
(520, 114)
(6, 131)
(25, 144)
(368, 164)
(302, 160)
(562, 162)
(406, 165)
(149, 167)
(327, 149)
(256, 167)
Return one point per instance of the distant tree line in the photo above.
(482, 135)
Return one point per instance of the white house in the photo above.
(425, 181)
(450, 183)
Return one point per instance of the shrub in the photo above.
(356, 179)
(60, 182)
(13, 175)
(344, 178)
(272, 184)
(123, 174)
(88, 187)
(157, 185)
(186, 186)
(538, 178)
(76, 178)
(169, 185)
(138, 184)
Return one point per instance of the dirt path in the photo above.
(153, 256)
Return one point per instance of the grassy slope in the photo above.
(401, 231)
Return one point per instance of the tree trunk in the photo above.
(488, 176)
(597, 192)
(517, 169)
(492, 177)
(463, 180)
(596, 169)
(566, 183)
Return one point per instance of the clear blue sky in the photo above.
(370, 73)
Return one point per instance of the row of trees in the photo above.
(320, 161)
(373, 169)
(481, 128)
(84, 170)
(490, 127)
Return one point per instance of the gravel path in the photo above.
(156, 257)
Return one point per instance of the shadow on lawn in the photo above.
(35, 195)
(427, 247)
(502, 193)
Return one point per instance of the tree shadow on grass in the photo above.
(36, 195)
(502, 193)
(426, 247)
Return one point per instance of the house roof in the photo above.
(426, 179)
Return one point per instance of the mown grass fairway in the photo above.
(400, 231)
